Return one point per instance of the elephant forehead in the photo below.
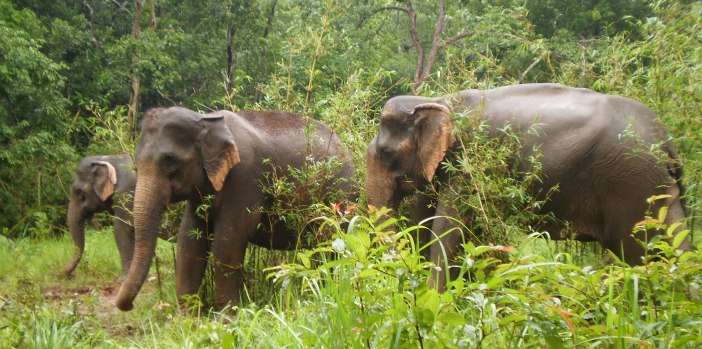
(399, 108)
(158, 118)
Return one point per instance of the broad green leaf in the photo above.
(662, 213)
(679, 238)
(451, 318)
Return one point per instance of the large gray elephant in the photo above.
(102, 184)
(228, 157)
(592, 146)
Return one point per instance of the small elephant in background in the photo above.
(224, 160)
(593, 147)
(102, 184)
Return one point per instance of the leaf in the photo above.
(425, 317)
(647, 221)
(566, 317)
(365, 273)
(662, 213)
(511, 319)
(658, 197)
(451, 318)
(679, 238)
(304, 259)
(553, 341)
(227, 340)
(429, 300)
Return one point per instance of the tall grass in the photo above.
(374, 294)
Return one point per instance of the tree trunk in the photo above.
(133, 107)
(135, 85)
(269, 21)
(425, 64)
(231, 58)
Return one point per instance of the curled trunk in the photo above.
(148, 211)
(76, 225)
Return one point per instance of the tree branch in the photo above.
(419, 68)
(457, 37)
(436, 42)
(378, 10)
(528, 69)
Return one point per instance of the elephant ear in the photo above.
(433, 127)
(219, 151)
(104, 179)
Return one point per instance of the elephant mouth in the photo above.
(406, 185)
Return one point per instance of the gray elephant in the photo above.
(592, 146)
(228, 157)
(102, 184)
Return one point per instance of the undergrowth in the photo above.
(372, 294)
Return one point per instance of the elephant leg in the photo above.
(424, 208)
(229, 249)
(124, 237)
(676, 213)
(191, 257)
(620, 218)
(446, 246)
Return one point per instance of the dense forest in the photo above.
(76, 78)
(74, 72)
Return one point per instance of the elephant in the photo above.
(229, 158)
(102, 184)
(587, 145)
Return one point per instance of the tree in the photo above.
(133, 105)
(33, 122)
(425, 61)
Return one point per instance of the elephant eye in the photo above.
(386, 155)
(170, 163)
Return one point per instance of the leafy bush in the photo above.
(375, 294)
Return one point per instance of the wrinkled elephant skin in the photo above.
(224, 156)
(585, 142)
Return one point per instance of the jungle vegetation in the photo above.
(76, 77)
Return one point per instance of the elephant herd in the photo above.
(601, 157)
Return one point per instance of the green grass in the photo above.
(534, 294)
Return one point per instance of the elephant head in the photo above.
(91, 192)
(414, 136)
(181, 155)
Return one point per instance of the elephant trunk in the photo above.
(76, 225)
(149, 206)
(380, 182)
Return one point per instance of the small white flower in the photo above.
(339, 245)
(469, 262)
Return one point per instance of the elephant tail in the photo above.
(675, 169)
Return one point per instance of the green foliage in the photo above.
(32, 127)
(375, 293)
(586, 19)
(64, 81)
(290, 189)
(489, 187)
